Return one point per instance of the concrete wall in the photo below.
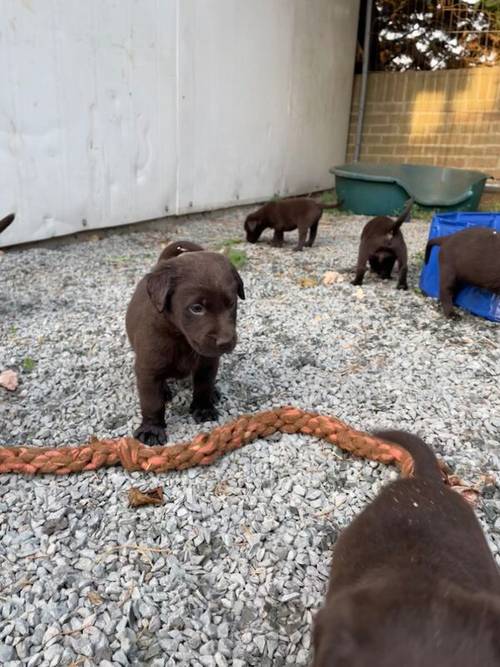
(115, 111)
(447, 118)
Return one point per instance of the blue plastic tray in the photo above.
(477, 301)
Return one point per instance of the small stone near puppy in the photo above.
(332, 277)
(8, 380)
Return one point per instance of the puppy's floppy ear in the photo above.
(251, 223)
(240, 289)
(160, 287)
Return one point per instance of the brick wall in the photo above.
(447, 118)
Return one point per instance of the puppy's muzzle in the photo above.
(225, 344)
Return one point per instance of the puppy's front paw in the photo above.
(401, 286)
(276, 244)
(149, 434)
(203, 413)
(356, 281)
(216, 395)
(297, 249)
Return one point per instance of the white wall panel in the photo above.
(234, 81)
(87, 114)
(113, 111)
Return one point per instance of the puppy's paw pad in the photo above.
(151, 435)
(201, 415)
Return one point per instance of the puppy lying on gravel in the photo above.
(284, 216)
(381, 244)
(412, 581)
(181, 319)
(471, 256)
(5, 222)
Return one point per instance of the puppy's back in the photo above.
(298, 206)
(474, 255)
(413, 581)
(417, 525)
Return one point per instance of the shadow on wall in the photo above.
(446, 118)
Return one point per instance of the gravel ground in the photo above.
(232, 568)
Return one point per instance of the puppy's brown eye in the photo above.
(197, 309)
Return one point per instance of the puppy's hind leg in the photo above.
(302, 240)
(386, 267)
(313, 230)
(403, 268)
(447, 285)
(361, 265)
(168, 394)
(205, 394)
(374, 264)
(277, 241)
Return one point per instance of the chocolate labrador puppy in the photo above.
(286, 215)
(412, 581)
(180, 320)
(381, 244)
(471, 256)
(5, 222)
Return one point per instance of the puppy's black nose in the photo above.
(225, 343)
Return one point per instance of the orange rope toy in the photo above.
(203, 449)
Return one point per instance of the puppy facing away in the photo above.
(5, 222)
(412, 580)
(470, 256)
(381, 244)
(286, 215)
(180, 320)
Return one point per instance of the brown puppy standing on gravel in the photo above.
(286, 215)
(181, 319)
(413, 582)
(381, 244)
(5, 222)
(471, 256)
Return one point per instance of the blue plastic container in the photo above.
(477, 301)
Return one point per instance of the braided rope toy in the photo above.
(203, 449)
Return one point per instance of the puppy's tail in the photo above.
(425, 461)
(430, 244)
(178, 248)
(403, 217)
(5, 222)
